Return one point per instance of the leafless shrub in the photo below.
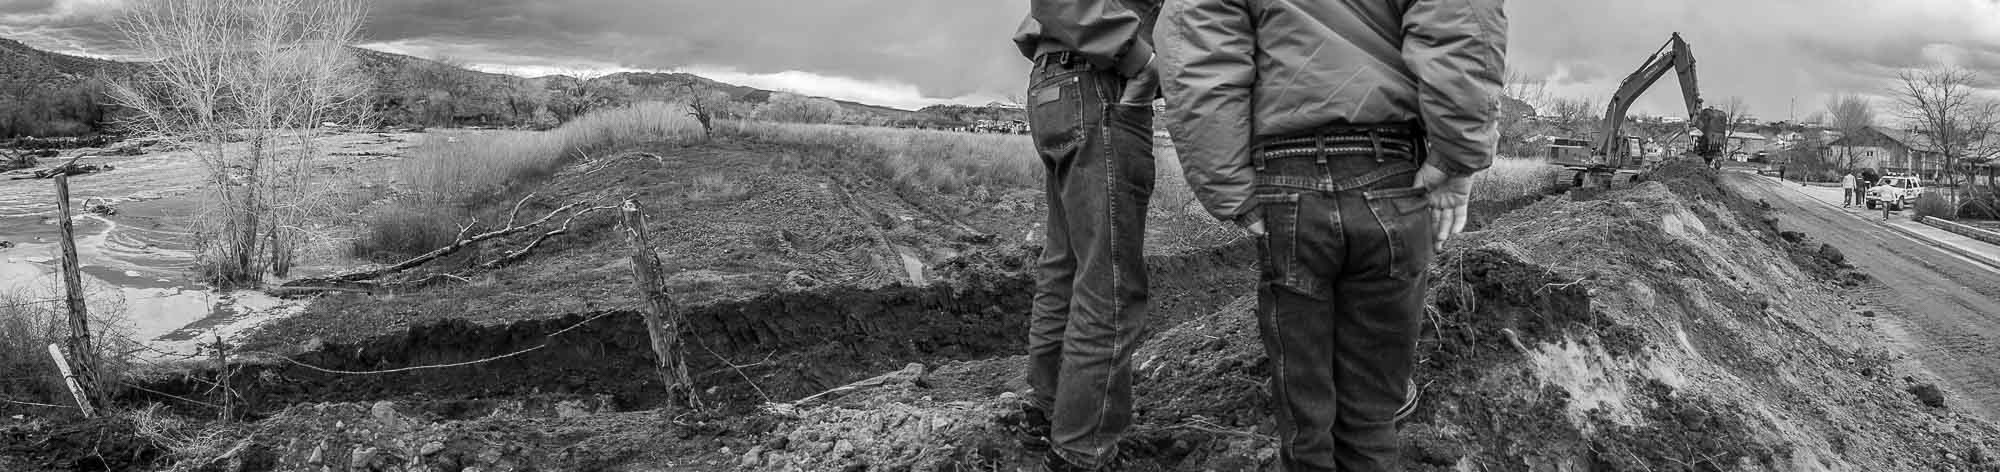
(266, 73)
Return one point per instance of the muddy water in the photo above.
(136, 262)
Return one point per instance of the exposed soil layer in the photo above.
(1668, 326)
(788, 344)
(1483, 212)
(797, 343)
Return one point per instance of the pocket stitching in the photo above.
(1289, 275)
(1074, 131)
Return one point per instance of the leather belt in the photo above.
(1387, 141)
(1401, 142)
(1060, 58)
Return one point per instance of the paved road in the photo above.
(1950, 304)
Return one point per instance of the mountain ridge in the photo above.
(411, 89)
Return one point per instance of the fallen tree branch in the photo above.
(516, 255)
(455, 246)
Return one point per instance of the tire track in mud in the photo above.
(1950, 304)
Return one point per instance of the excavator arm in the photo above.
(1674, 56)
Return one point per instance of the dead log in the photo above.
(16, 160)
(66, 169)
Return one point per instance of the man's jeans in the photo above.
(1090, 291)
(1340, 304)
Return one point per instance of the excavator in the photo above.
(1619, 158)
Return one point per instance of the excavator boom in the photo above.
(1612, 150)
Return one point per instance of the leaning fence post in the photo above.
(69, 378)
(79, 319)
(663, 321)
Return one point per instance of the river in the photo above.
(136, 263)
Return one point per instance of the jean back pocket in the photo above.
(1055, 114)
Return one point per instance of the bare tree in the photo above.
(1569, 113)
(706, 104)
(528, 102)
(1850, 114)
(1519, 101)
(264, 72)
(1941, 105)
(1737, 114)
(795, 108)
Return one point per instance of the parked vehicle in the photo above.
(1895, 191)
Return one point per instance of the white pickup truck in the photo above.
(1896, 192)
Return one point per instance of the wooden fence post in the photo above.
(663, 321)
(69, 378)
(79, 345)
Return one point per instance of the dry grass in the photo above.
(921, 160)
(1509, 179)
(187, 441)
(453, 176)
(32, 316)
(27, 325)
(718, 187)
(471, 168)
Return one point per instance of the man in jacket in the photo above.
(1343, 134)
(1848, 190)
(1090, 112)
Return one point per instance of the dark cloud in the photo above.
(1771, 52)
(14, 7)
(945, 47)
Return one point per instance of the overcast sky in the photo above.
(910, 53)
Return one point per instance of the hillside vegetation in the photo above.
(48, 94)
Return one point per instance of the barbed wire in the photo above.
(169, 395)
(18, 402)
(438, 366)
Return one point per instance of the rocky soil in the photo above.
(1668, 326)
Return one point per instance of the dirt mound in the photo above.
(1656, 328)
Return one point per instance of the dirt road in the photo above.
(1950, 306)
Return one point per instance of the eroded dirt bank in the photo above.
(1664, 327)
(788, 344)
(1668, 326)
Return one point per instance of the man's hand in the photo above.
(1140, 89)
(1449, 197)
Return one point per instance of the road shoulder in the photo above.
(1964, 247)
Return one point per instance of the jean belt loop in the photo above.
(1375, 141)
(1325, 172)
(1257, 157)
(1319, 149)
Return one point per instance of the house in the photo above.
(1743, 145)
(1887, 150)
(1787, 139)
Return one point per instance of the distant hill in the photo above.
(49, 94)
